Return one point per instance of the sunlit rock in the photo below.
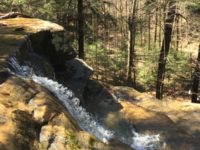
(46, 39)
(32, 114)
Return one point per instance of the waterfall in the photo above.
(85, 120)
(144, 142)
(67, 98)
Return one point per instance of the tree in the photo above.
(165, 48)
(195, 85)
(132, 29)
(80, 30)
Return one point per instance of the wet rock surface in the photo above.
(118, 105)
(30, 116)
(164, 117)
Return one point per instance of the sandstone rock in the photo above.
(152, 116)
(38, 35)
(30, 116)
(116, 106)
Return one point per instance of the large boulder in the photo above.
(31, 117)
(169, 118)
(22, 35)
(123, 108)
(75, 75)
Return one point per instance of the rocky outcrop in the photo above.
(170, 119)
(22, 35)
(30, 116)
(75, 75)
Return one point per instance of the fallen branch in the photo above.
(14, 15)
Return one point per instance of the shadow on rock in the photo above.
(101, 103)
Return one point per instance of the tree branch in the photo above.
(14, 15)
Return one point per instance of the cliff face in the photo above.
(31, 117)
(21, 35)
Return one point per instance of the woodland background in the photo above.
(151, 45)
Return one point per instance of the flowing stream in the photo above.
(86, 121)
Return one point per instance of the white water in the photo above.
(83, 118)
(66, 97)
(144, 142)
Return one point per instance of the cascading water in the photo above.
(67, 98)
(144, 142)
(83, 118)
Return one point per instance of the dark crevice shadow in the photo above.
(99, 102)
(4, 75)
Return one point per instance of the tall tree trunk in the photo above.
(141, 23)
(177, 34)
(81, 53)
(195, 85)
(165, 48)
(156, 24)
(131, 71)
(149, 31)
(160, 28)
(141, 34)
